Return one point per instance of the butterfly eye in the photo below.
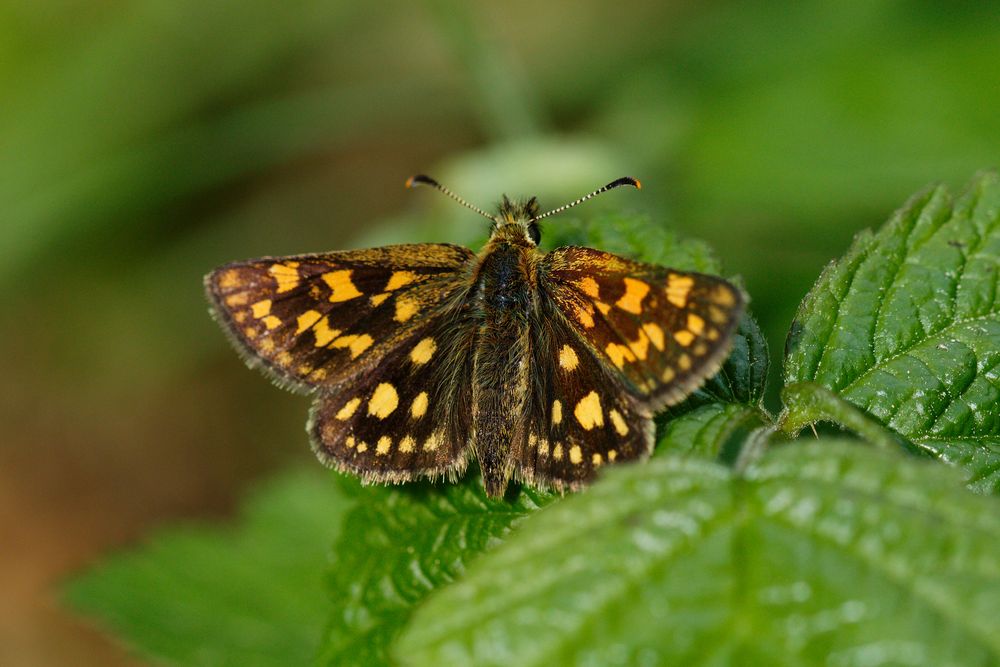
(534, 233)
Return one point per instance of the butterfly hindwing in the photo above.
(321, 320)
(663, 332)
(580, 417)
(397, 422)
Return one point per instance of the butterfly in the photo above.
(544, 367)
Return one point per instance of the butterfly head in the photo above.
(517, 222)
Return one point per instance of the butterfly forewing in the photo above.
(321, 320)
(662, 331)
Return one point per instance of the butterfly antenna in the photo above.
(624, 180)
(420, 179)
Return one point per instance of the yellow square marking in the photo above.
(684, 337)
(286, 275)
(724, 296)
(341, 287)
(543, 447)
(419, 407)
(532, 440)
(640, 346)
(713, 334)
(350, 442)
(407, 444)
(696, 324)
(379, 298)
(267, 346)
(349, 409)
(588, 411)
(557, 452)
(655, 334)
(229, 279)
(357, 343)
(635, 292)
(717, 315)
(383, 445)
(399, 279)
(684, 362)
(423, 351)
(240, 317)
(304, 369)
(589, 287)
(406, 308)
(618, 422)
(432, 443)
(318, 374)
(556, 412)
(585, 317)
(324, 334)
(619, 354)
(596, 460)
(668, 374)
(284, 358)
(261, 308)
(384, 401)
(238, 299)
(603, 307)
(306, 320)
(612, 455)
(271, 322)
(567, 358)
(575, 455)
(678, 288)
(362, 448)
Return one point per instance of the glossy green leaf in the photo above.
(398, 545)
(830, 553)
(206, 596)
(711, 431)
(907, 327)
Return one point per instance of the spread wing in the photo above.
(618, 340)
(372, 333)
(580, 415)
(662, 331)
(322, 320)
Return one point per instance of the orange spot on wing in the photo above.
(635, 292)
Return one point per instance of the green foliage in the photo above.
(212, 596)
(398, 545)
(825, 553)
(907, 327)
(737, 544)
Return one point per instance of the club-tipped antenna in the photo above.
(420, 179)
(624, 180)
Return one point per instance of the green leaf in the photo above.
(398, 545)
(248, 596)
(809, 403)
(633, 235)
(714, 430)
(830, 553)
(907, 327)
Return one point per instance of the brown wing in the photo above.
(580, 415)
(662, 332)
(323, 320)
(397, 422)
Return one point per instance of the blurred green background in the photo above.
(142, 143)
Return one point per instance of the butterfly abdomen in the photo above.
(501, 369)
